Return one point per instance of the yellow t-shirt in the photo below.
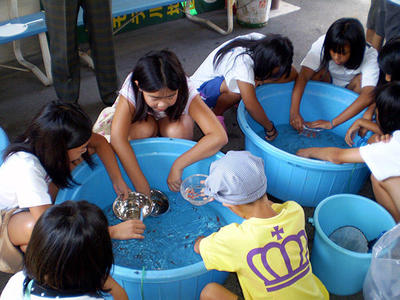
(270, 256)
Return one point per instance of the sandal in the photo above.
(271, 133)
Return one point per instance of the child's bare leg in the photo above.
(181, 129)
(143, 129)
(387, 193)
(226, 100)
(20, 229)
(322, 75)
(355, 84)
(215, 291)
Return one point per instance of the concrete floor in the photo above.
(21, 94)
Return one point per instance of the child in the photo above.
(158, 99)
(233, 70)
(389, 59)
(343, 58)
(389, 65)
(382, 157)
(268, 251)
(69, 256)
(37, 164)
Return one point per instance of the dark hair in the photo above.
(153, 72)
(57, 128)
(268, 53)
(389, 58)
(387, 99)
(70, 249)
(345, 31)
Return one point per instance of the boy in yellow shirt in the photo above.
(268, 251)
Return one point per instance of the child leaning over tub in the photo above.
(37, 164)
(64, 261)
(157, 99)
(233, 70)
(389, 65)
(382, 157)
(270, 230)
(343, 58)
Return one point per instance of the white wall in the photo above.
(28, 45)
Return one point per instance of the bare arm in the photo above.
(359, 124)
(213, 140)
(253, 106)
(332, 154)
(197, 244)
(116, 291)
(119, 140)
(103, 149)
(37, 211)
(363, 100)
(296, 120)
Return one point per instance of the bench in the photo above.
(19, 27)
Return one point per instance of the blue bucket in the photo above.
(155, 157)
(343, 271)
(290, 177)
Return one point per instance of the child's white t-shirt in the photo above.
(341, 76)
(23, 182)
(14, 290)
(128, 92)
(234, 66)
(383, 159)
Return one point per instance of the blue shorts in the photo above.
(210, 91)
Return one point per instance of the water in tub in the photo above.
(169, 238)
(289, 140)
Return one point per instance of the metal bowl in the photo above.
(160, 202)
(132, 207)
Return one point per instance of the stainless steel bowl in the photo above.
(160, 201)
(131, 207)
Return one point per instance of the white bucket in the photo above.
(253, 13)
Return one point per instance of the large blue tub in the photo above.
(290, 177)
(155, 156)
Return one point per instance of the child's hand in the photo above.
(352, 131)
(121, 188)
(376, 138)
(197, 243)
(297, 122)
(320, 124)
(131, 229)
(174, 179)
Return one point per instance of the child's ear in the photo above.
(137, 83)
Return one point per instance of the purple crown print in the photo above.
(298, 253)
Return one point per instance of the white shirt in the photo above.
(383, 159)
(233, 66)
(341, 75)
(128, 92)
(14, 291)
(23, 182)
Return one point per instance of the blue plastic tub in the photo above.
(3, 143)
(290, 177)
(343, 271)
(155, 156)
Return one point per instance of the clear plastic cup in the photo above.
(192, 190)
(311, 132)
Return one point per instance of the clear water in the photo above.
(169, 238)
(289, 140)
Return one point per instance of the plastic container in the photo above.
(155, 157)
(253, 13)
(192, 190)
(3, 143)
(290, 177)
(343, 271)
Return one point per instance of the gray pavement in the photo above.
(21, 94)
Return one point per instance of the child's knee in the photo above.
(322, 75)
(143, 129)
(355, 84)
(209, 292)
(181, 129)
